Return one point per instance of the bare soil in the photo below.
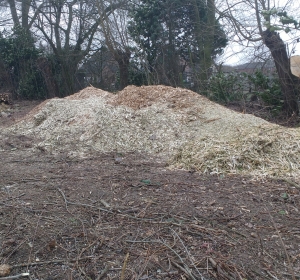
(127, 216)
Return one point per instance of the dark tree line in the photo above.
(55, 47)
(157, 38)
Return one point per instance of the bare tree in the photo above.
(114, 29)
(26, 10)
(251, 26)
(68, 27)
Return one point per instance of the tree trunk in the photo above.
(45, 68)
(25, 13)
(68, 74)
(209, 39)
(123, 62)
(13, 12)
(205, 41)
(288, 83)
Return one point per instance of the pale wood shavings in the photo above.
(89, 92)
(174, 123)
(273, 152)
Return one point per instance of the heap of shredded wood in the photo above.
(179, 125)
(145, 96)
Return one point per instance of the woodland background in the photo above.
(54, 48)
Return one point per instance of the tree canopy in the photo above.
(171, 42)
(167, 34)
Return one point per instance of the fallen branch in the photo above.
(224, 270)
(12, 198)
(103, 273)
(186, 272)
(186, 269)
(205, 229)
(287, 274)
(113, 211)
(271, 275)
(289, 182)
(53, 261)
(15, 276)
(191, 258)
(124, 267)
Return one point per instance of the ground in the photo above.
(127, 216)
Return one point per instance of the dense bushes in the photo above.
(227, 87)
(231, 87)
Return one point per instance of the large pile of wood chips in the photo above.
(176, 124)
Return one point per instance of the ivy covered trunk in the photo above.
(288, 83)
(68, 74)
(122, 58)
(205, 39)
(44, 67)
(68, 61)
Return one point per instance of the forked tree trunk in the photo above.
(288, 83)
